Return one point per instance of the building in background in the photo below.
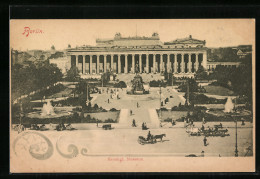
(140, 54)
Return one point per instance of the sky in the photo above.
(60, 33)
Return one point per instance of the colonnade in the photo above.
(142, 63)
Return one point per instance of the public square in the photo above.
(122, 140)
(132, 95)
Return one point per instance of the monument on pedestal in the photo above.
(137, 86)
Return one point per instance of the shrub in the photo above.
(120, 84)
(168, 120)
(113, 109)
(155, 83)
(164, 109)
(109, 121)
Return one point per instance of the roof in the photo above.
(188, 40)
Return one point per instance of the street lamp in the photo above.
(172, 80)
(236, 151)
(160, 100)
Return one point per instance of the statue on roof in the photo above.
(118, 35)
(155, 34)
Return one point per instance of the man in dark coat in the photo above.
(205, 141)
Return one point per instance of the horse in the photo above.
(159, 136)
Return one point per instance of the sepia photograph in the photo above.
(132, 95)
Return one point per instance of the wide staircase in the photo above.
(123, 117)
(149, 116)
(146, 77)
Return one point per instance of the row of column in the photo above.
(154, 69)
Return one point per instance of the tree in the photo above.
(193, 86)
(201, 74)
(105, 78)
(73, 74)
(52, 47)
(82, 90)
(168, 76)
(33, 77)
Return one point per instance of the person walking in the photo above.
(203, 120)
(205, 141)
(134, 125)
(149, 135)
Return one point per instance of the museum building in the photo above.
(140, 54)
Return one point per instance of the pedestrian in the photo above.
(149, 135)
(131, 112)
(97, 122)
(202, 128)
(134, 125)
(108, 100)
(203, 120)
(205, 141)
(137, 104)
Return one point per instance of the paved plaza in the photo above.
(122, 140)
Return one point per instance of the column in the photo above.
(90, 65)
(119, 63)
(147, 63)
(133, 63)
(112, 62)
(204, 62)
(189, 63)
(77, 61)
(84, 64)
(126, 63)
(140, 63)
(97, 64)
(105, 63)
(161, 62)
(197, 62)
(168, 63)
(154, 66)
(182, 63)
(175, 63)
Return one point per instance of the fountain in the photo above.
(228, 109)
(47, 109)
(229, 106)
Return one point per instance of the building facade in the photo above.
(140, 54)
(213, 65)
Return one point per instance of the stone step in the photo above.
(155, 121)
(123, 116)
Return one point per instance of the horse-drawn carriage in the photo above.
(142, 140)
(107, 127)
(215, 133)
(150, 140)
(207, 132)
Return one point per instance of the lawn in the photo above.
(218, 90)
(173, 114)
(64, 93)
(104, 115)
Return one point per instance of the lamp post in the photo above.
(160, 100)
(87, 96)
(172, 80)
(21, 112)
(236, 151)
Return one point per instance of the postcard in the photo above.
(132, 95)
